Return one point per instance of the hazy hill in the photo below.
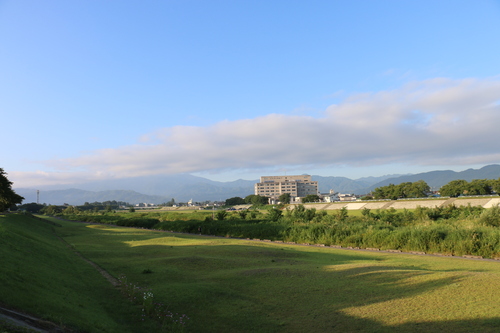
(346, 185)
(160, 189)
(79, 197)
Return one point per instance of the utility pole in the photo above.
(37, 197)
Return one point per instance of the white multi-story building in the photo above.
(297, 186)
(331, 196)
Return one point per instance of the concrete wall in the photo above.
(486, 202)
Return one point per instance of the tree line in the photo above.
(252, 199)
(420, 189)
(456, 188)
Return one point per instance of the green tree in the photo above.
(51, 210)
(386, 192)
(256, 199)
(285, 198)
(8, 197)
(235, 201)
(495, 186)
(32, 207)
(417, 189)
(454, 188)
(169, 203)
(310, 198)
(70, 210)
(479, 187)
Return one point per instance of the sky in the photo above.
(236, 89)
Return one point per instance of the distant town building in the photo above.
(332, 196)
(297, 186)
(144, 205)
(347, 197)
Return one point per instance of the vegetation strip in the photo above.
(308, 244)
(452, 230)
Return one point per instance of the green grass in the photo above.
(230, 285)
(40, 275)
(244, 286)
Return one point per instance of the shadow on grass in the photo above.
(229, 285)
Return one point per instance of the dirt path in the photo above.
(101, 270)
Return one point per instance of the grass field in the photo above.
(40, 275)
(230, 285)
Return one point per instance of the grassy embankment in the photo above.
(40, 275)
(228, 285)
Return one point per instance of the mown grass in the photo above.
(41, 276)
(229, 285)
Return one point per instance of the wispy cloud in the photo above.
(432, 122)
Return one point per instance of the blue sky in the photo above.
(237, 89)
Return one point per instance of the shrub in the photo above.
(220, 215)
(274, 214)
(491, 216)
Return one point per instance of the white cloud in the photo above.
(433, 122)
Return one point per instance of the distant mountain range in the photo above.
(183, 187)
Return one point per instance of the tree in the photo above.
(235, 201)
(32, 207)
(454, 188)
(256, 199)
(310, 198)
(51, 210)
(169, 203)
(8, 197)
(417, 189)
(70, 210)
(386, 192)
(285, 198)
(479, 187)
(495, 186)
(414, 190)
